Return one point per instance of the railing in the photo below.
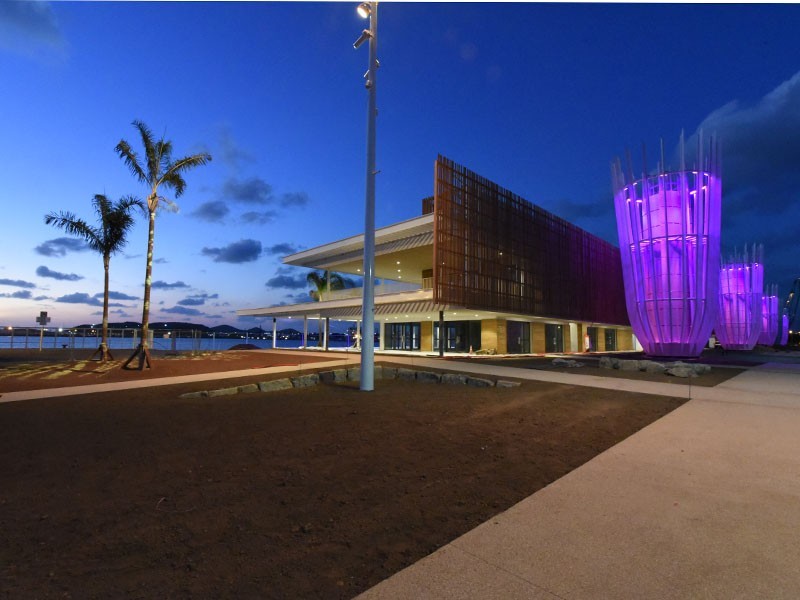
(389, 287)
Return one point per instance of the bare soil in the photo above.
(306, 493)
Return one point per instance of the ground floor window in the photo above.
(518, 337)
(553, 337)
(592, 333)
(460, 336)
(611, 339)
(402, 336)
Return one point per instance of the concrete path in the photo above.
(704, 503)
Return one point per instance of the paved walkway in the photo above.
(703, 503)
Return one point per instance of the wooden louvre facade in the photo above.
(494, 250)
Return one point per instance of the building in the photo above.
(483, 269)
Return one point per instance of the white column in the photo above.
(274, 333)
(305, 332)
(573, 337)
(382, 331)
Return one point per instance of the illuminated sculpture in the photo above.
(741, 287)
(769, 316)
(669, 237)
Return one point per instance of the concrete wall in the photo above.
(537, 338)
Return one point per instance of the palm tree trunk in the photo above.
(105, 353)
(142, 350)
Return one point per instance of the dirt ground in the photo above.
(306, 493)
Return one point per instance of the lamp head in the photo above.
(365, 35)
(364, 10)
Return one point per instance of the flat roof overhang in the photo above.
(402, 251)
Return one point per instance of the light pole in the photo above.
(369, 10)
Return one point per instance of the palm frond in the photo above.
(131, 159)
(173, 174)
(150, 150)
(77, 227)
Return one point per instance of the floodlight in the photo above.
(365, 35)
(363, 10)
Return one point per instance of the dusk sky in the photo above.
(539, 98)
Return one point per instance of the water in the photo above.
(176, 344)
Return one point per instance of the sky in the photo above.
(539, 98)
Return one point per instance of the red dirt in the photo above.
(307, 493)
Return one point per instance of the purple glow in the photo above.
(784, 329)
(669, 236)
(769, 316)
(741, 288)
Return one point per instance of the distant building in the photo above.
(482, 268)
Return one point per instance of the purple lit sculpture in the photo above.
(741, 288)
(769, 316)
(669, 230)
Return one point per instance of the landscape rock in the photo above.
(354, 374)
(406, 374)
(628, 365)
(248, 389)
(223, 392)
(200, 394)
(309, 380)
(606, 362)
(389, 372)
(502, 383)
(275, 385)
(479, 382)
(654, 367)
(428, 377)
(454, 378)
(681, 371)
(564, 362)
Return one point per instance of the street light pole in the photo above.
(370, 10)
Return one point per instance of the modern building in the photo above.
(481, 269)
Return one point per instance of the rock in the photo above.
(478, 382)
(681, 371)
(486, 352)
(406, 374)
(326, 377)
(354, 374)
(428, 377)
(454, 378)
(248, 389)
(654, 367)
(628, 365)
(606, 362)
(275, 385)
(563, 362)
(378, 372)
(502, 383)
(200, 394)
(309, 380)
(702, 369)
(389, 372)
(223, 392)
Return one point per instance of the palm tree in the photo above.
(320, 281)
(158, 169)
(115, 220)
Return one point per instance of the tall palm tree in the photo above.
(115, 220)
(157, 170)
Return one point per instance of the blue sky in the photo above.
(537, 97)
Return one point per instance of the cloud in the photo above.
(292, 199)
(21, 295)
(60, 246)
(248, 191)
(284, 249)
(259, 218)
(230, 152)
(182, 310)
(760, 175)
(197, 299)
(17, 283)
(82, 298)
(213, 211)
(24, 23)
(299, 298)
(163, 285)
(238, 252)
(288, 278)
(116, 296)
(45, 272)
